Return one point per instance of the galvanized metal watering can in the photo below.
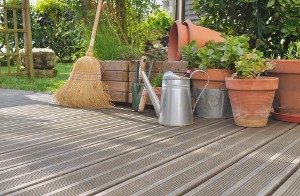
(175, 107)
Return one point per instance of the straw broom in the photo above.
(84, 88)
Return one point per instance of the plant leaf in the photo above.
(270, 3)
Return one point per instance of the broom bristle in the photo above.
(84, 88)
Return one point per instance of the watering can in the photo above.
(175, 108)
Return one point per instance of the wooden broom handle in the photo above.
(90, 51)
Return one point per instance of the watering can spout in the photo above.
(154, 99)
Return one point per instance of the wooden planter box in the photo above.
(119, 76)
(115, 76)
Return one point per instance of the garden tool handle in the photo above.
(90, 51)
(142, 67)
(145, 92)
(144, 95)
(202, 89)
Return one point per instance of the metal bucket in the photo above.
(214, 103)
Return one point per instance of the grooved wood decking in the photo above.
(46, 149)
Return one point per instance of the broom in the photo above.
(84, 88)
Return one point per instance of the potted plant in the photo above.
(286, 102)
(217, 59)
(251, 95)
(157, 84)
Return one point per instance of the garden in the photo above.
(224, 89)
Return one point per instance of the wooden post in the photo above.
(28, 37)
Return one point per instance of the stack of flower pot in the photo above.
(183, 34)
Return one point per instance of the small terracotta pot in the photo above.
(287, 97)
(201, 34)
(157, 91)
(251, 100)
(179, 37)
(216, 78)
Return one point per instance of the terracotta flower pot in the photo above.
(216, 78)
(201, 34)
(179, 37)
(287, 97)
(251, 100)
(183, 34)
(157, 91)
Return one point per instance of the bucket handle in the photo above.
(202, 89)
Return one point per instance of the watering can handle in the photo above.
(202, 89)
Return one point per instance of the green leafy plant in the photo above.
(216, 55)
(157, 80)
(189, 53)
(252, 65)
(293, 51)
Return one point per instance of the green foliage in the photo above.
(108, 47)
(157, 80)
(155, 27)
(293, 51)
(129, 53)
(158, 53)
(271, 25)
(216, 55)
(136, 22)
(55, 25)
(252, 65)
(189, 53)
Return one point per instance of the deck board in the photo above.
(46, 149)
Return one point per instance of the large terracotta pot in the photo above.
(251, 100)
(179, 37)
(287, 97)
(183, 34)
(201, 34)
(216, 78)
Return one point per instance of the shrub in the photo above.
(55, 25)
(271, 25)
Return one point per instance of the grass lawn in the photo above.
(37, 84)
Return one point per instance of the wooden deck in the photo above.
(46, 149)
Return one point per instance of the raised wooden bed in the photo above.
(115, 76)
(119, 76)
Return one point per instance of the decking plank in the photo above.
(53, 150)
(110, 172)
(261, 172)
(181, 175)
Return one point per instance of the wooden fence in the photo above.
(10, 39)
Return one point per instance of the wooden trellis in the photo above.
(12, 46)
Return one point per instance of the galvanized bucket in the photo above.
(214, 103)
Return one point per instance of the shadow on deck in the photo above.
(52, 150)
